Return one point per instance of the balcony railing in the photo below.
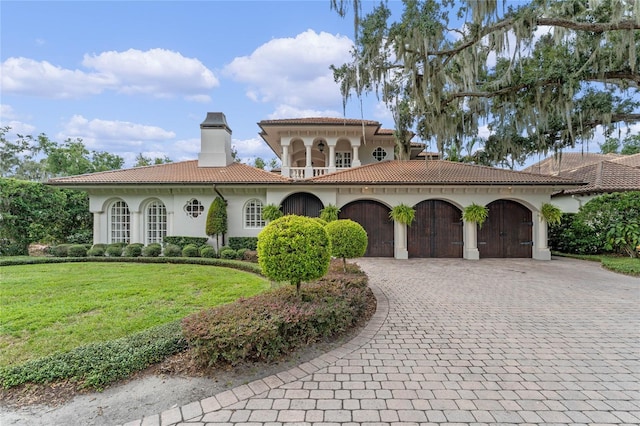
(301, 172)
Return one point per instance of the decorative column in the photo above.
(356, 155)
(400, 247)
(284, 170)
(471, 241)
(308, 167)
(135, 231)
(98, 238)
(332, 142)
(540, 249)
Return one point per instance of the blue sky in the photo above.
(133, 77)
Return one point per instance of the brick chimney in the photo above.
(215, 141)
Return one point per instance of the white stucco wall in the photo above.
(180, 223)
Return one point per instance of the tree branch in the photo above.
(593, 27)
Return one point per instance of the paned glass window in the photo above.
(193, 208)
(119, 223)
(343, 159)
(156, 217)
(379, 154)
(253, 214)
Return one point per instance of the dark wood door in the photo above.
(302, 204)
(374, 218)
(507, 231)
(436, 231)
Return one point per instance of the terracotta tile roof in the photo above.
(320, 121)
(605, 176)
(629, 160)
(567, 161)
(183, 172)
(438, 172)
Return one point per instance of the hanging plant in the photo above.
(403, 214)
(475, 213)
(329, 213)
(551, 213)
(271, 212)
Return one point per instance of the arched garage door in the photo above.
(302, 204)
(374, 218)
(507, 231)
(436, 230)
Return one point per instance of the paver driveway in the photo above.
(454, 341)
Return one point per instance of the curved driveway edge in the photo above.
(489, 342)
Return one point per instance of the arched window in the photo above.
(156, 222)
(119, 223)
(253, 214)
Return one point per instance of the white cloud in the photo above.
(157, 72)
(250, 149)
(293, 72)
(110, 135)
(8, 117)
(288, 111)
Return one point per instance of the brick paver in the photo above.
(462, 342)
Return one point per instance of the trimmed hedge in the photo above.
(268, 326)
(172, 250)
(152, 250)
(99, 364)
(133, 250)
(77, 250)
(182, 241)
(61, 250)
(190, 250)
(208, 251)
(249, 243)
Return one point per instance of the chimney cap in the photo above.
(215, 120)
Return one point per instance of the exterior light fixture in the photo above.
(321, 146)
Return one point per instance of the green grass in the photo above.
(51, 308)
(621, 264)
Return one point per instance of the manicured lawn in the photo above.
(621, 264)
(56, 307)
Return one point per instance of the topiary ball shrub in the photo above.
(114, 250)
(240, 253)
(294, 249)
(77, 250)
(208, 252)
(228, 253)
(96, 251)
(172, 250)
(61, 250)
(152, 250)
(348, 239)
(190, 250)
(133, 250)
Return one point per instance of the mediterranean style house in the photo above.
(348, 163)
(603, 174)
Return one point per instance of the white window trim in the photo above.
(253, 219)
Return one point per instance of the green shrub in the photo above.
(190, 250)
(228, 253)
(267, 326)
(208, 252)
(152, 250)
(95, 252)
(114, 250)
(294, 249)
(329, 213)
(172, 250)
(77, 250)
(348, 239)
(100, 245)
(61, 250)
(133, 250)
(240, 253)
(182, 241)
(12, 248)
(99, 364)
(249, 243)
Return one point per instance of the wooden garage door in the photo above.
(507, 231)
(302, 204)
(436, 230)
(374, 218)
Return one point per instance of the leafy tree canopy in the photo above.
(630, 145)
(142, 160)
(39, 158)
(541, 74)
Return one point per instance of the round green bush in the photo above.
(190, 250)
(348, 239)
(152, 250)
(207, 251)
(77, 250)
(95, 251)
(295, 249)
(172, 250)
(240, 253)
(114, 250)
(228, 253)
(61, 250)
(133, 250)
